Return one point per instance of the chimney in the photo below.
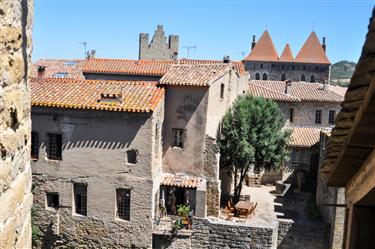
(253, 43)
(325, 85)
(91, 54)
(226, 59)
(41, 71)
(324, 44)
(288, 84)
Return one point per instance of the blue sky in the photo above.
(215, 27)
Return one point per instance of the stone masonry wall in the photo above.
(15, 172)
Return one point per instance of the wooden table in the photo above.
(245, 206)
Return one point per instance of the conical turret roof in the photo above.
(287, 54)
(264, 50)
(312, 51)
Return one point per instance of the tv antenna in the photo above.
(241, 53)
(188, 50)
(85, 47)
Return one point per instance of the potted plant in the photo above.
(183, 211)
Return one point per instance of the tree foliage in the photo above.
(251, 135)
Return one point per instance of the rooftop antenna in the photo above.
(241, 53)
(188, 50)
(85, 47)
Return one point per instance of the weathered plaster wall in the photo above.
(94, 153)
(292, 71)
(15, 172)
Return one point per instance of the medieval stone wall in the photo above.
(159, 48)
(292, 71)
(95, 146)
(15, 172)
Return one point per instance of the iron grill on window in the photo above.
(178, 136)
(34, 145)
(318, 116)
(123, 204)
(331, 117)
(80, 198)
(54, 146)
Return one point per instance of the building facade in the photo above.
(159, 48)
(308, 108)
(96, 159)
(310, 65)
(15, 172)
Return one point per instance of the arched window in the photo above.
(312, 79)
(303, 77)
(264, 76)
(257, 76)
(283, 77)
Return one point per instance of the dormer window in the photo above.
(110, 98)
(60, 75)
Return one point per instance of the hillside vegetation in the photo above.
(341, 72)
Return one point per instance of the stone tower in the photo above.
(159, 48)
(15, 123)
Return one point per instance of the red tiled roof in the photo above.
(264, 50)
(287, 54)
(128, 67)
(260, 91)
(311, 92)
(73, 68)
(239, 66)
(304, 137)
(312, 51)
(87, 94)
(194, 75)
(180, 180)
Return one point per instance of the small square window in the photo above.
(131, 156)
(178, 137)
(123, 204)
(52, 200)
(54, 146)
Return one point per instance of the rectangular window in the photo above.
(52, 200)
(291, 115)
(304, 156)
(178, 136)
(80, 198)
(318, 116)
(331, 117)
(294, 156)
(34, 145)
(222, 91)
(123, 203)
(54, 146)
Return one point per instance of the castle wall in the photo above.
(159, 48)
(15, 172)
(95, 145)
(293, 71)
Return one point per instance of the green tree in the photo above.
(251, 135)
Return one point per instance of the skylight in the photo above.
(60, 75)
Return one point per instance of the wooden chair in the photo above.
(230, 206)
(229, 214)
(252, 210)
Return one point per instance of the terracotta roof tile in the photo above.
(261, 91)
(264, 50)
(287, 54)
(180, 180)
(304, 137)
(239, 66)
(96, 95)
(128, 67)
(194, 75)
(312, 51)
(72, 68)
(311, 92)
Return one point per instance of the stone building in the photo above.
(159, 48)
(350, 156)
(16, 20)
(308, 108)
(310, 65)
(96, 160)
(197, 97)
